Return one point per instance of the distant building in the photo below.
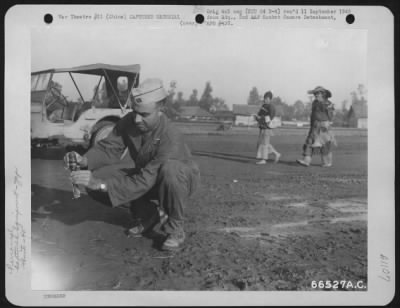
(358, 115)
(224, 116)
(244, 115)
(195, 113)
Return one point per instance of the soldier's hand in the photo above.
(81, 160)
(85, 178)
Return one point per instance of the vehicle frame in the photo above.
(79, 122)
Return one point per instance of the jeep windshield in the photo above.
(39, 82)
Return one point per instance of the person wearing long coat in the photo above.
(160, 165)
(264, 118)
(320, 137)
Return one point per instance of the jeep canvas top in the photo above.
(79, 104)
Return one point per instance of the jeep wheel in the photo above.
(100, 131)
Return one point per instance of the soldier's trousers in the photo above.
(176, 182)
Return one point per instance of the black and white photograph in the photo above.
(223, 149)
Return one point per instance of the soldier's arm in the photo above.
(127, 188)
(107, 151)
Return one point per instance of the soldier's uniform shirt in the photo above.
(148, 152)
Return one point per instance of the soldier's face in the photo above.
(146, 116)
(320, 97)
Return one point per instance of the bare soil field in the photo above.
(249, 227)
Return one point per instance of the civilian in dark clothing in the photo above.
(264, 118)
(320, 136)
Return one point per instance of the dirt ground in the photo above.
(249, 227)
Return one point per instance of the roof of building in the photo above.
(194, 111)
(223, 113)
(245, 110)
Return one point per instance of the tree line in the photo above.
(206, 101)
(298, 111)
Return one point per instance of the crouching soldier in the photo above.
(160, 167)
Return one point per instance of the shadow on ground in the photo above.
(238, 158)
(59, 205)
(225, 156)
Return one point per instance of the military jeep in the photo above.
(79, 105)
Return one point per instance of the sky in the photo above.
(287, 61)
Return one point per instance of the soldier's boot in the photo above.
(146, 216)
(327, 160)
(174, 241)
(306, 161)
(143, 227)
